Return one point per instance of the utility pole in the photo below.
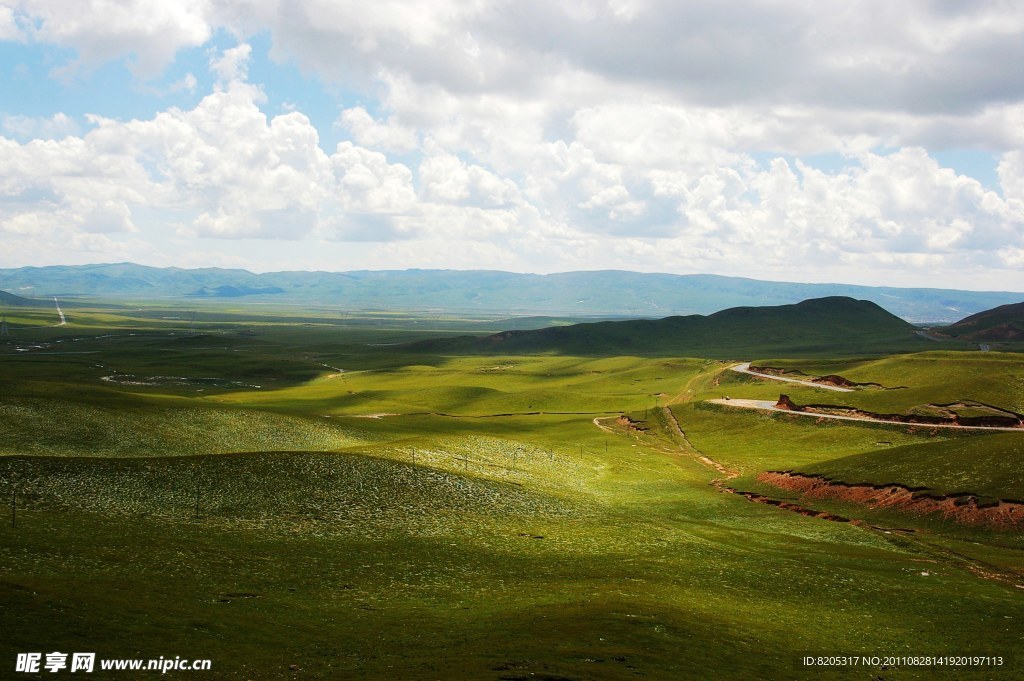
(14, 499)
(195, 481)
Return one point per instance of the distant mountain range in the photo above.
(834, 325)
(581, 294)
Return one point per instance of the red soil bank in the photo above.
(1004, 514)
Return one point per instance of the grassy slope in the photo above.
(12, 300)
(1000, 323)
(944, 461)
(988, 465)
(937, 377)
(414, 550)
(834, 325)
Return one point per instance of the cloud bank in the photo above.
(745, 138)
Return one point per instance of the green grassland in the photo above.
(244, 497)
(918, 379)
(943, 461)
(985, 465)
(834, 326)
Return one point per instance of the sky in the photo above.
(863, 141)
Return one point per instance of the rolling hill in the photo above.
(11, 300)
(1004, 323)
(836, 325)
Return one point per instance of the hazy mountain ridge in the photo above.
(610, 292)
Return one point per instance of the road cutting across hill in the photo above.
(745, 369)
(768, 405)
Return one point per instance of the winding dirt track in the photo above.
(767, 405)
(727, 472)
(60, 312)
(936, 552)
(745, 369)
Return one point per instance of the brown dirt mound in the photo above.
(1004, 514)
(630, 424)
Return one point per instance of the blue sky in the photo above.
(878, 145)
(32, 84)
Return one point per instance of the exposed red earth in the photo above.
(1006, 514)
(786, 405)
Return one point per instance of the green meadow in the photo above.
(298, 494)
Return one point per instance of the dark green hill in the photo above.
(833, 325)
(1004, 323)
(11, 300)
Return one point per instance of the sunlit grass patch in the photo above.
(55, 427)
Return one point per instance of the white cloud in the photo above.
(388, 136)
(9, 29)
(367, 183)
(57, 126)
(232, 65)
(1011, 176)
(186, 84)
(619, 133)
(445, 178)
(657, 135)
(148, 31)
(222, 165)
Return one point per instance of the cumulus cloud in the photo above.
(388, 136)
(9, 29)
(445, 178)
(368, 183)
(57, 126)
(232, 64)
(223, 165)
(150, 33)
(1011, 176)
(569, 135)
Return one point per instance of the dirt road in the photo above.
(60, 312)
(745, 369)
(768, 405)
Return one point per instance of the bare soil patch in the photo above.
(967, 509)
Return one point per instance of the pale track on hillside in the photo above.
(744, 368)
(699, 455)
(768, 405)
